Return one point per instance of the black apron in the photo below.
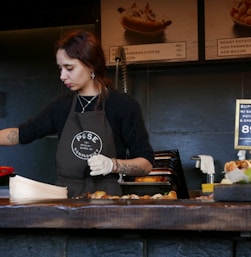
(84, 135)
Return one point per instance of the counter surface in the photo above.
(202, 215)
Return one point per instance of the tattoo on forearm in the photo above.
(131, 170)
(13, 137)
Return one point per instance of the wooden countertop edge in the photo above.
(127, 214)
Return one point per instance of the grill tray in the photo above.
(168, 164)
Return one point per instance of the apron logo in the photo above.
(86, 144)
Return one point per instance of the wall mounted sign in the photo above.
(150, 31)
(227, 29)
(243, 124)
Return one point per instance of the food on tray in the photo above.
(171, 195)
(143, 20)
(238, 164)
(229, 166)
(130, 196)
(238, 171)
(151, 179)
(241, 12)
(97, 195)
(243, 164)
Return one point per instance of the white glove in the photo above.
(100, 165)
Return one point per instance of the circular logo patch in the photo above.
(86, 144)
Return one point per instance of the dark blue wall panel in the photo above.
(186, 107)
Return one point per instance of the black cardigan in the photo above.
(123, 113)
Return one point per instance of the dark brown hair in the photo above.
(85, 47)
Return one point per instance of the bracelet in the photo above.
(115, 165)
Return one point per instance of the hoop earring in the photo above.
(92, 75)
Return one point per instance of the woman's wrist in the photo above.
(115, 165)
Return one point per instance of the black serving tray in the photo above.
(146, 188)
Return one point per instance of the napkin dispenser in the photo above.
(206, 164)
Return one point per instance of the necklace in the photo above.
(88, 102)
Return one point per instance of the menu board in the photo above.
(243, 124)
(227, 29)
(150, 31)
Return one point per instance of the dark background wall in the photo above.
(192, 108)
(189, 107)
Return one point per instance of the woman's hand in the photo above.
(100, 165)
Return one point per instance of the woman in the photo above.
(101, 131)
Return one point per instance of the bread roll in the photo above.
(171, 195)
(229, 166)
(238, 164)
(244, 164)
(145, 197)
(98, 195)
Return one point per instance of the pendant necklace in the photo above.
(88, 102)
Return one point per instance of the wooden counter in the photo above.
(199, 215)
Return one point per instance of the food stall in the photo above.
(193, 226)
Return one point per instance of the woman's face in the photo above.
(75, 75)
